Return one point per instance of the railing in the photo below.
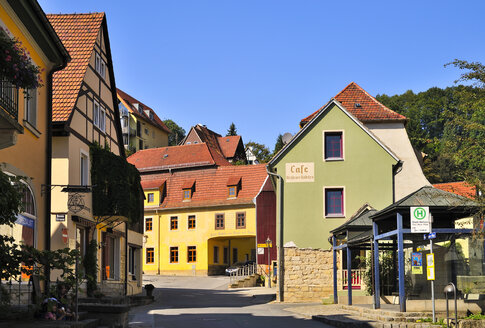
(19, 292)
(243, 272)
(357, 276)
(9, 98)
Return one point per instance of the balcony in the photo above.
(9, 126)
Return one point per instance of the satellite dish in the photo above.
(286, 137)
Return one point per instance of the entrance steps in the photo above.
(361, 317)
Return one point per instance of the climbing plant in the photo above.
(116, 185)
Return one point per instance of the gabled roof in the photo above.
(229, 145)
(362, 105)
(78, 33)
(310, 124)
(461, 188)
(211, 139)
(152, 184)
(175, 157)
(128, 101)
(211, 186)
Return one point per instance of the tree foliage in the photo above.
(262, 153)
(232, 131)
(279, 144)
(177, 135)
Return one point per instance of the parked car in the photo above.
(236, 266)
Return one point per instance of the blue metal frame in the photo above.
(377, 284)
(349, 275)
(400, 260)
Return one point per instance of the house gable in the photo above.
(364, 175)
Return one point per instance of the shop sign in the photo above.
(420, 219)
(300, 172)
(417, 263)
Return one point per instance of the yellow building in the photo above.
(25, 146)
(200, 217)
(85, 111)
(140, 125)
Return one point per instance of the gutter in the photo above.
(281, 252)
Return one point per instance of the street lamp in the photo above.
(450, 288)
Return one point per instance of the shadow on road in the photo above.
(204, 298)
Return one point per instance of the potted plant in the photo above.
(149, 288)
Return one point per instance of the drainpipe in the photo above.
(281, 252)
(395, 170)
(126, 258)
(158, 241)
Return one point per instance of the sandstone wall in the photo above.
(308, 275)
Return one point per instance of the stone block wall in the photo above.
(308, 275)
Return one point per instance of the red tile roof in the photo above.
(129, 102)
(210, 138)
(163, 158)
(211, 185)
(78, 33)
(370, 109)
(461, 188)
(152, 184)
(229, 145)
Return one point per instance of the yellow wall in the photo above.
(28, 156)
(155, 138)
(204, 237)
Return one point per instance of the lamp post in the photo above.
(268, 243)
(450, 288)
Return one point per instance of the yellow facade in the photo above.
(210, 243)
(28, 156)
(150, 135)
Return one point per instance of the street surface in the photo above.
(200, 302)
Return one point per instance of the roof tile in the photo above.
(362, 105)
(461, 188)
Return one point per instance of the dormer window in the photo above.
(233, 186)
(187, 194)
(188, 189)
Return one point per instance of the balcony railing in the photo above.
(357, 277)
(9, 98)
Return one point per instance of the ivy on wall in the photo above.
(116, 185)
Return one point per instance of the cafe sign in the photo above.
(300, 172)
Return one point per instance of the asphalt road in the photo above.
(203, 302)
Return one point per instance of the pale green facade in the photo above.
(365, 174)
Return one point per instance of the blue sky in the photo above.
(266, 64)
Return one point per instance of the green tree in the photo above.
(232, 131)
(262, 153)
(177, 135)
(279, 144)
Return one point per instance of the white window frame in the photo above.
(343, 201)
(333, 159)
(102, 118)
(96, 111)
(31, 107)
(100, 66)
(84, 175)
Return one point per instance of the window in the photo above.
(28, 201)
(174, 254)
(334, 202)
(31, 106)
(187, 194)
(100, 66)
(84, 170)
(151, 197)
(150, 255)
(216, 254)
(232, 192)
(81, 240)
(226, 255)
(132, 261)
(102, 119)
(148, 224)
(241, 220)
(96, 113)
(146, 131)
(191, 254)
(234, 255)
(333, 145)
(219, 221)
(191, 222)
(174, 223)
